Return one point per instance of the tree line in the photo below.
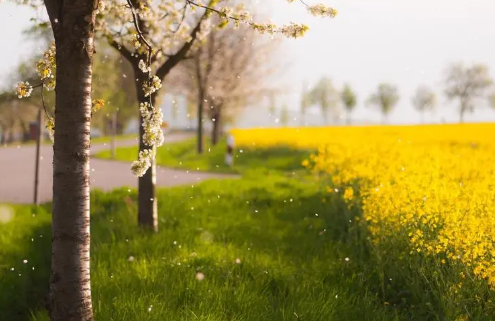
(465, 85)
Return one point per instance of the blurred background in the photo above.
(404, 44)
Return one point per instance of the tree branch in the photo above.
(121, 49)
(174, 59)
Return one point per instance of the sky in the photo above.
(406, 43)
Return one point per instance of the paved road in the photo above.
(17, 172)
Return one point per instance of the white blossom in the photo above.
(321, 10)
(152, 122)
(140, 166)
(24, 89)
(144, 67)
(151, 86)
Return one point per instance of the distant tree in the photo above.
(191, 110)
(284, 116)
(15, 114)
(227, 73)
(491, 100)
(15, 117)
(241, 74)
(466, 84)
(349, 100)
(272, 103)
(114, 83)
(326, 96)
(385, 98)
(424, 100)
(305, 103)
(7, 117)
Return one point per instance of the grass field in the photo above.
(267, 249)
(182, 155)
(336, 241)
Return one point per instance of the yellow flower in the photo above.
(426, 186)
(349, 194)
(97, 104)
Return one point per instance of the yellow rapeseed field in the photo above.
(434, 185)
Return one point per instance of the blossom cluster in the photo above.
(97, 104)
(152, 122)
(143, 163)
(152, 85)
(320, 10)
(23, 89)
(144, 67)
(152, 137)
(46, 68)
(292, 30)
(50, 128)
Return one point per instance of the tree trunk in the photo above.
(3, 138)
(39, 140)
(147, 202)
(25, 134)
(70, 290)
(464, 106)
(215, 133)
(199, 133)
(10, 137)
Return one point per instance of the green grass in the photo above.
(107, 139)
(292, 266)
(182, 155)
(302, 255)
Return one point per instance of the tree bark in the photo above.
(199, 132)
(215, 134)
(3, 139)
(26, 135)
(10, 136)
(70, 291)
